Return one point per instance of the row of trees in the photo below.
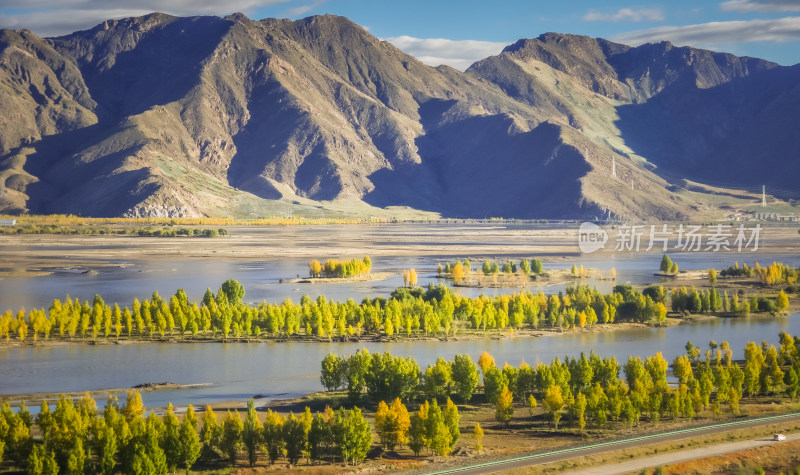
(459, 270)
(89, 230)
(776, 273)
(588, 390)
(336, 269)
(381, 376)
(407, 312)
(709, 301)
(76, 438)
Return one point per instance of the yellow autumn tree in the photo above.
(477, 434)
(782, 301)
(485, 361)
(392, 424)
(553, 403)
(457, 271)
(504, 408)
(314, 268)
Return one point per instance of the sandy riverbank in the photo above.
(29, 255)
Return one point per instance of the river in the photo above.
(237, 371)
(125, 268)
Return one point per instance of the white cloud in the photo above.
(457, 54)
(705, 35)
(58, 17)
(626, 14)
(761, 6)
(303, 9)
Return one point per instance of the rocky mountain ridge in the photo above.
(168, 116)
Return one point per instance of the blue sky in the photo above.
(458, 33)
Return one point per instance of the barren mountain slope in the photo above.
(168, 116)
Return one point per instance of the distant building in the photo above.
(790, 217)
(8, 222)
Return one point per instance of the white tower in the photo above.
(763, 196)
(613, 166)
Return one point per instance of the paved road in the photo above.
(681, 456)
(565, 454)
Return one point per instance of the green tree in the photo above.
(148, 457)
(210, 434)
(233, 291)
(352, 435)
(251, 432)
(436, 431)
(357, 369)
(754, 365)
(170, 439)
(231, 439)
(387, 377)
(332, 373)
(273, 436)
(42, 462)
(712, 276)
(320, 436)
(578, 410)
(18, 441)
(772, 375)
(486, 267)
(493, 382)
(536, 266)
(416, 432)
(77, 459)
(438, 378)
(452, 420)
(295, 438)
(666, 264)
(465, 377)
(188, 439)
(525, 266)
(107, 452)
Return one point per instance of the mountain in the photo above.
(168, 116)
